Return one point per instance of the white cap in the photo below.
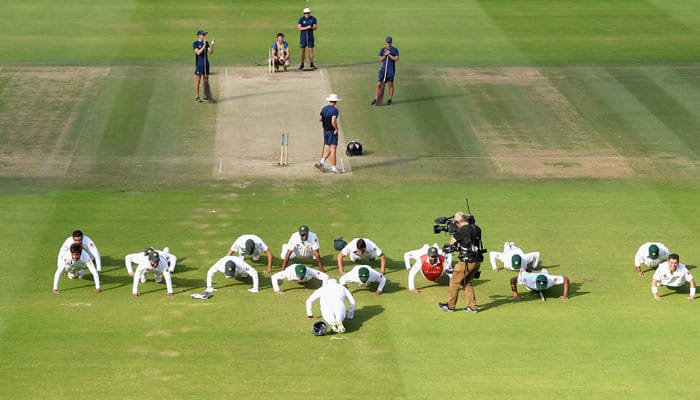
(333, 97)
(307, 10)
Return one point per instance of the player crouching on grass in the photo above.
(72, 263)
(280, 53)
(159, 267)
(672, 274)
(332, 296)
(538, 282)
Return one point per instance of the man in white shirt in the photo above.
(672, 274)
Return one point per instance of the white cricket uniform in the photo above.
(642, 256)
(243, 269)
(141, 258)
(161, 271)
(418, 267)
(74, 268)
(332, 296)
(88, 245)
(289, 274)
(371, 252)
(415, 255)
(529, 279)
(506, 257)
(238, 246)
(354, 277)
(300, 248)
(664, 276)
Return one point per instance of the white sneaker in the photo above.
(253, 290)
(256, 258)
(335, 170)
(81, 274)
(340, 328)
(143, 278)
(70, 275)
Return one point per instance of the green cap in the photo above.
(432, 252)
(541, 282)
(339, 243)
(516, 261)
(249, 246)
(230, 268)
(148, 250)
(303, 230)
(153, 256)
(300, 270)
(653, 252)
(363, 273)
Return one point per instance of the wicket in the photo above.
(284, 146)
(270, 61)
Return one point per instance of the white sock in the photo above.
(323, 161)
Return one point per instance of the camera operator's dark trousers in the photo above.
(463, 273)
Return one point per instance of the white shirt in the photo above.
(243, 269)
(354, 277)
(290, 274)
(66, 263)
(665, 277)
(301, 247)
(529, 279)
(88, 245)
(238, 245)
(331, 294)
(372, 251)
(140, 258)
(642, 256)
(160, 268)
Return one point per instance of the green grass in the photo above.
(101, 90)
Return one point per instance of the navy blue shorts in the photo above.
(202, 68)
(306, 40)
(330, 138)
(389, 76)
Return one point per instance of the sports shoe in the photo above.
(256, 258)
(301, 67)
(81, 274)
(373, 103)
(471, 310)
(335, 170)
(143, 278)
(388, 103)
(340, 328)
(320, 167)
(444, 307)
(159, 278)
(197, 99)
(70, 275)
(313, 66)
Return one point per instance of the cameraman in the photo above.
(467, 241)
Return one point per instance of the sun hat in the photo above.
(333, 97)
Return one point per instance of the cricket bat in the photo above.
(207, 92)
(380, 97)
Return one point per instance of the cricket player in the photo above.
(363, 275)
(88, 245)
(142, 258)
(432, 264)
(159, 267)
(280, 53)
(514, 258)
(416, 254)
(672, 274)
(72, 263)
(360, 248)
(251, 246)
(332, 296)
(650, 254)
(538, 282)
(298, 273)
(232, 266)
(302, 244)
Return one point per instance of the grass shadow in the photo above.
(362, 315)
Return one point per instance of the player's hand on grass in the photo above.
(562, 297)
(517, 297)
(640, 273)
(56, 291)
(168, 295)
(377, 293)
(279, 292)
(98, 290)
(135, 295)
(657, 297)
(691, 298)
(415, 290)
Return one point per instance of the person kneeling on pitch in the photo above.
(672, 274)
(332, 296)
(232, 266)
(363, 275)
(159, 267)
(538, 282)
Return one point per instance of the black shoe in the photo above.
(471, 310)
(198, 100)
(301, 67)
(444, 307)
(373, 103)
(388, 103)
(313, 66)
